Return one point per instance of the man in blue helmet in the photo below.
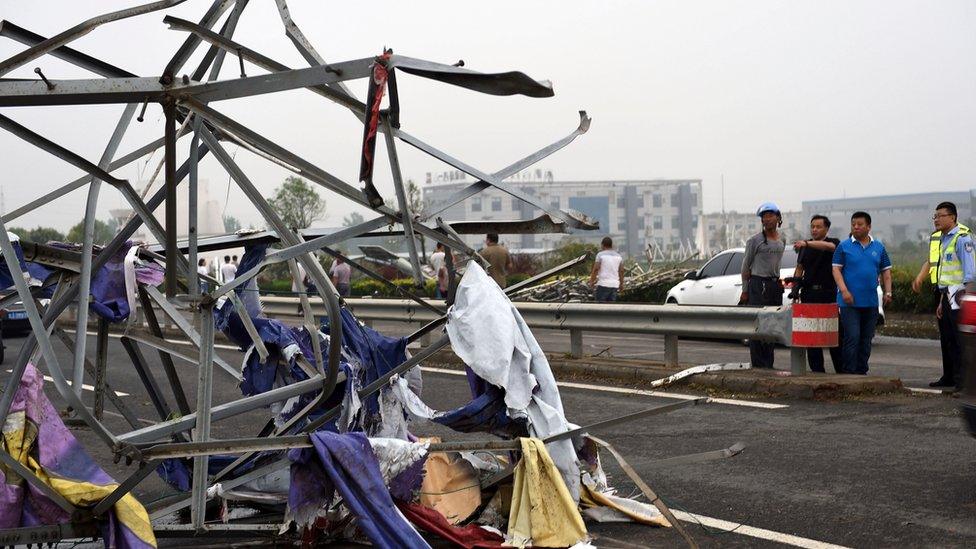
(760, 275)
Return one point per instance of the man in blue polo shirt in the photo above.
(858, 261)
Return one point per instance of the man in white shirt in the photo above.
(202, 271)
(436, 261)
(608, 272)
(228, 271)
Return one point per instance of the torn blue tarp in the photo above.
(486, 412)
(345, 463)
(113, 291)
(40, 272)
(6, 278)
(376, 353)
(248, 292)
(177, 471)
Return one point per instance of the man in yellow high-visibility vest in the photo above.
(950, 267)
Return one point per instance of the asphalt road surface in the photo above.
(869, 472)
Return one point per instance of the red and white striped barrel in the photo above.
(815, 325)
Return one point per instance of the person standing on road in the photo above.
(341, 273)
(950, 267)
(228, 271)
(858, 261)
(202, 271)
(814, 277)
(436, 262)
(760, 275)
(607, 276)
(499, 261)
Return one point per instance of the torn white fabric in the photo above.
(129, 276)
(491, 337)
(395, 456)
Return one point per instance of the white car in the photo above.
(719, 281)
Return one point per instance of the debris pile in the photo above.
(568, 289)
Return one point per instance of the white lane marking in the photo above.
(925, 391)
(83, 385)
(111, 413)
(752, 531)
(643, 392)
(176, 342)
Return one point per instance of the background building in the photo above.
(660, 212)
(895, 219)
(721, 231)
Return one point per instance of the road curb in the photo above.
(913, 341)
(777, 383)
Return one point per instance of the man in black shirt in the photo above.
(814, 275)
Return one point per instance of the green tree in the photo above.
(231, 224)
(568, 251)
(353, 219)
(43, 235)
(297, 203)
(19, 231)
(416, 203)
(103, 234)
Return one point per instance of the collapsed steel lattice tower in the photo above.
(189, 103)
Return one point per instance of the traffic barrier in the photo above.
(815, 325)
(772, 324)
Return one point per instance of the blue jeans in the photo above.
(858, 327)
(605, 293)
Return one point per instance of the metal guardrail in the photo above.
(771, 324)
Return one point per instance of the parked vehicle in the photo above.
(14, 319)
(719, 281)
(967, 332)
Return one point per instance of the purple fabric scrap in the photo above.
(345, 463)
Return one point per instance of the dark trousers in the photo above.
(605, 294)
(763, 291)
(858, 325)
(949, 338)
(815, 355)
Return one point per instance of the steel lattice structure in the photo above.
(190, 103)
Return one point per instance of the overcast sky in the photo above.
(790, 100)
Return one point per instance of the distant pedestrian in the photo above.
(950, 267)
(202, 271)
(228, 271)
(341, 273)
(858, 262)
(760, 275)
(234, 261)
(436, 261)
(499, 261)
(443, 281)
(814, 277)
(607, 276)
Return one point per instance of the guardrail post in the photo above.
(798, 361)
(575, 342)
(671, 350)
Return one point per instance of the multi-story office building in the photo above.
(635, 213)
(720, 231)
(895, 218)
